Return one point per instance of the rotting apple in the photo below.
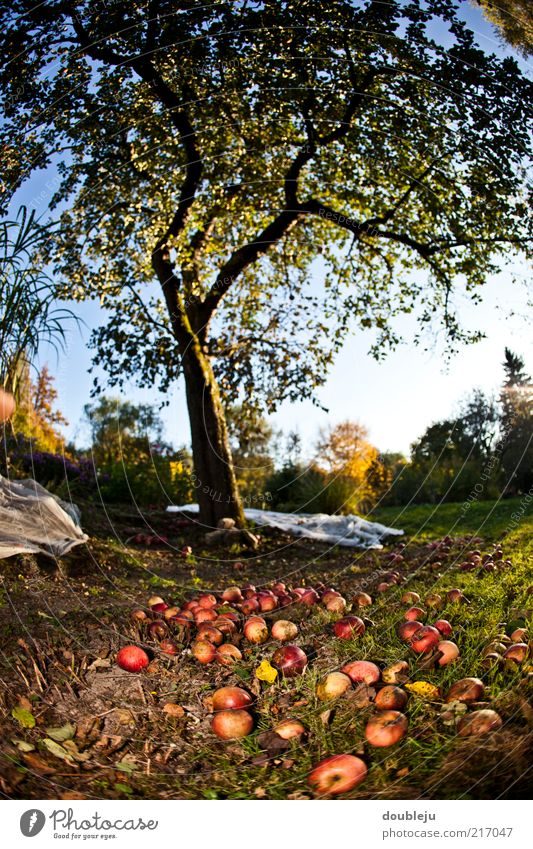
(232, 594)
(138, 616)
(337, 774)
(455, 596)
(479, 722)
(290, 728)
(391, 698)
(433, 600)
(284, 630)
(204, 614)
(227, 654)
(386, 728)
(158, 629)
(517, 652)
(155, 599)
(232, 724)
(206, 631)
(362, 599)
(169, 647)
(337, 604)
(290, 660)
(335, 684)
(249, 605)
(362, 671)
(132, 659)
(396, 673)
(466, 690)
(231, 698)
(410, 598)
(382, 587)
(203, 651)
(256, 630)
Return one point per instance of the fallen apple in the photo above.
(455, 596)
(206, 631)
(249, 605)
(138, 615)
(284, 630)
(309, 597)
(337, 774)
(466, 690)
(410, 598)
(132, 658)
(517, 652)
(414, 614)
(204, 614)
(362, 600)
(361, 671)
(290, 660)
(396, 673)
(290, 728)
(328, 595)
(256, 630)
(333, 685)
(349, 627)
(232, 724)
(225, 625)
(231, 698)
(425, 639)
(433, 600)
(169, 647)
(337, 604)
(383, 587)
(227, 654)
(386, 728)
(479, 722)
(232, 594)
(160, 607)
(267, 601)
(203, 651)
(155, 599)
(170, 612)
(407, 630)
(519, 635)
(449, 652)
(444, 627)
(158, 629)
(391, 698)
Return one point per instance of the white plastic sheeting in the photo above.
(350, 531)
(32, 520)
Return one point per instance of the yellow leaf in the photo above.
(423, 689)
(266, 672)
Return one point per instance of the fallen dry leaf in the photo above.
(173, 710)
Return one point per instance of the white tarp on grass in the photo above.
(32, 520)
(351, 531)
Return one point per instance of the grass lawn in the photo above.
(60, 634)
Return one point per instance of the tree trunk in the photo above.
(214, 481)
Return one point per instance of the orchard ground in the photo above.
(76, 726)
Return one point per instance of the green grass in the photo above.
(488, 519)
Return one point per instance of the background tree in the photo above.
(516, 400)
(36, 416)
(286, 171)
(514, 21)
(120, 430)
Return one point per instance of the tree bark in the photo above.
(214, 481)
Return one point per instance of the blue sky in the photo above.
(396, 399)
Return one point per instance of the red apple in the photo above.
(160, 607)
(256, 630)
(232, 594)
(407, 630)
(185, 551)
(391, 698)
(433, 600)
(207, 600)
(414, 614)
(206, 631)
(425, 639)
(517, 652)
(158, 629)
(284, 630)
(155, 599)
(396, 673)
(232, 724)
(279, 588)
(466, 690)
(132, 659)
(170, 612)
(309, 597)
(444, 627)
(386, 728)
(169, 647)
(449, 651)
(349, 627)
(204, 614)
(328, 595)
(337, 774)
(362, 671)
(249, 605)
(455, 596)
(333, 686)
(225, 625)
(267, 601)
(231, 698)
(290, 660)
(227, 654)
(383, 587)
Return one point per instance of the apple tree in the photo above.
(242, 184)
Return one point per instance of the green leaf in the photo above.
(65, 732)
(24, 717)
(22, 745)
(125, 766)
(123, 788)
(57, 750)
